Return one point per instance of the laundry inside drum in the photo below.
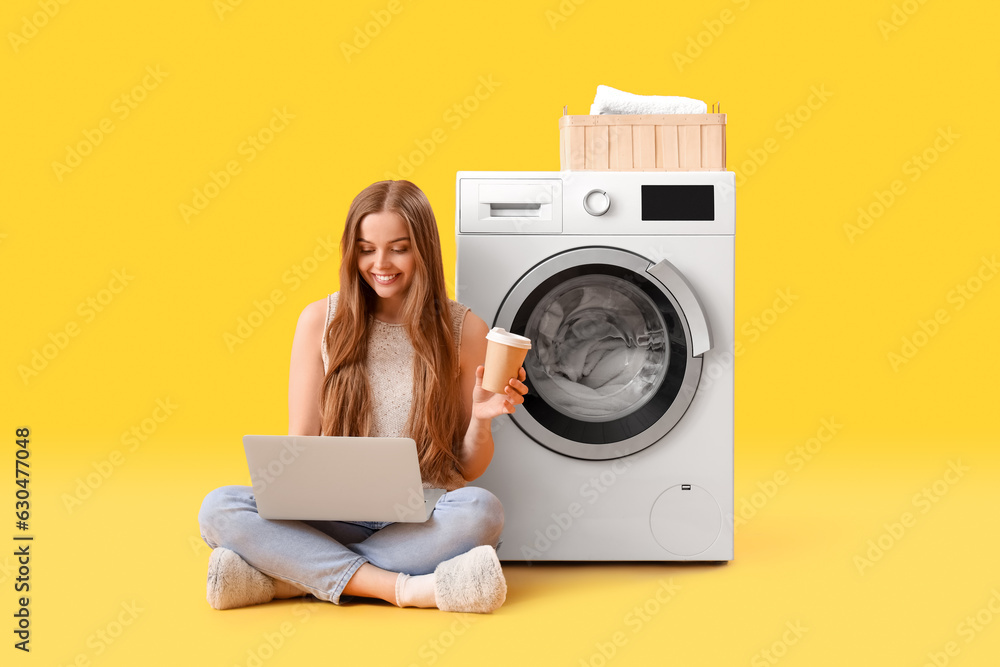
(599, 348)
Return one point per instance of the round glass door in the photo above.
(600, 348)
(610, 371)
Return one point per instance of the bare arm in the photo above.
(305, 376)
(481, 406)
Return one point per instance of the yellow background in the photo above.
(890, 91)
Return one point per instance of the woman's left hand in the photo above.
(486, 405)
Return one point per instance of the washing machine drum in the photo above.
(617, 345)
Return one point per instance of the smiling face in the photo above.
(386, 261)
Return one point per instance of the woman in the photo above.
(352, 374)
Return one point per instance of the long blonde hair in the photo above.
(436, 414)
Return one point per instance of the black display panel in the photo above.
(678, 202)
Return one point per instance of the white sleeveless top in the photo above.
(390, 372)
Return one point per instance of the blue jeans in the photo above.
(321, 556)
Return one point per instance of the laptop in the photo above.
(326, 478)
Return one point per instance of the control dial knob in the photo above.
(596, 202)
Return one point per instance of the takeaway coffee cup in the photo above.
(505, 353)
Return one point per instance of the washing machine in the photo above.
(624, 281)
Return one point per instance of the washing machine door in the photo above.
(617, 350)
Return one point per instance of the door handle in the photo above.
(691, 309)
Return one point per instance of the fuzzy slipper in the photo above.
(233, 583)
(472, 581)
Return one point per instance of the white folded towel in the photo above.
(610, 100)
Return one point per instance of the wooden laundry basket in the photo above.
(663, 142)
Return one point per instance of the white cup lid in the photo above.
(499, 335)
